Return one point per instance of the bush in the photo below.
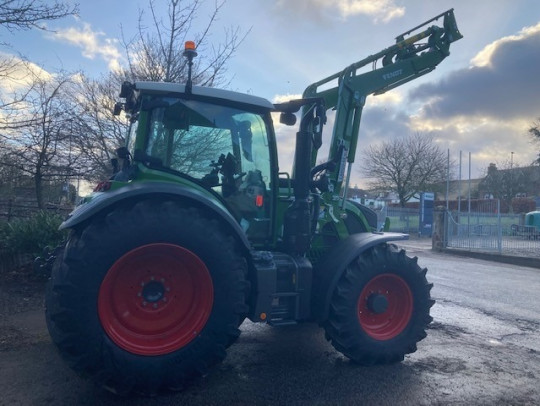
(31, 236)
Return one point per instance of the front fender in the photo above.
(101, 201)
(331, 267)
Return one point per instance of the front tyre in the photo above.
(147, 297)
(380, 307)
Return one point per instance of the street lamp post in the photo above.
(512, 194)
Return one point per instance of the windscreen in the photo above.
(192, 137)
(224, 148)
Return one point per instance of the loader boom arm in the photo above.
(414, 54)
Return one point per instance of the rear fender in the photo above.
(102, 201)
(331, 267)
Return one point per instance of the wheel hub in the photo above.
(153, 291)
(377, 303)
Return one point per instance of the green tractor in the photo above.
(198, 229)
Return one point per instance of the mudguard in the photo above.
(102, 201)
(331, 267)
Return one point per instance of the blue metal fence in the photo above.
(485, 229)
(488, 230)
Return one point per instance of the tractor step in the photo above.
(278, 323)
(284, 288)
(283, 311)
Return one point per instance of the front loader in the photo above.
(198, 229)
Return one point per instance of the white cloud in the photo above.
(485, 56)
(384, 10)
(393, 97)
(489, 139)
(282, 98)
(18, 74)
(93, 44)
(378, 10)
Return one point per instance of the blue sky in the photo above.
(481, 99)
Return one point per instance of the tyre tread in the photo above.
(91, 353)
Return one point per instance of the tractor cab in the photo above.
(219, 140)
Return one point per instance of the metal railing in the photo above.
(490, 231)
(16, 209)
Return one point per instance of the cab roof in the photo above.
(167, 87)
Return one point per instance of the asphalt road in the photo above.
(482, 348)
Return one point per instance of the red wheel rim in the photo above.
(389, 317)
(155, 299)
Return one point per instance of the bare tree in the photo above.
(10, 174)
(60, 127)
(24, 15)
(28, 14)
(42, 147)
(98, 131)
(17, 76)
(406, 166)
(156, 54)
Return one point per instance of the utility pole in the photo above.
(447, 177)
(459, 184)
(512, 193)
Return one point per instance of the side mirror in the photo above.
(287, 118)
(126, 90)
(122, 153)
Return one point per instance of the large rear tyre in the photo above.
(380, 307)
(147, 297)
